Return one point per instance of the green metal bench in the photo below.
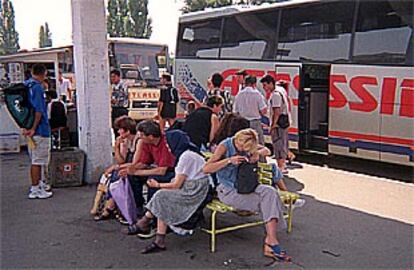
(216, 206)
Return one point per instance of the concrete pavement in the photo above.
(349, 221)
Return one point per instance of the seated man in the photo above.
(156, 159)
(57, 113)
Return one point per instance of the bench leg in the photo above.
(213, 231)
(289, 219)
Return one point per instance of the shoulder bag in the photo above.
(247, 177)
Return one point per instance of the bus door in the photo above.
(313, 108)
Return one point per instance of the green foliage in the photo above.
(128, 18)
(42, 37)
(9, 38)
(48, 36)
(196, 5)
(45, 37)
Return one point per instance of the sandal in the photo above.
(276, 253)
(152, 248)
(105, 215)
(134, 229)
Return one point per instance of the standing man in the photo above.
(241, 76)
(39, 133)
(167, 105)
(250, 104)
(278, 104)
(119, 100)
(201, 125)
(216, 81)
(65, 87)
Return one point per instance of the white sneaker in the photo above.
(181, 231)
(299, 203)
(44, 186)
(39, 193)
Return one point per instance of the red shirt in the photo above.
(159, 154)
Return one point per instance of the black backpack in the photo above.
(57, 115)
(17, 101)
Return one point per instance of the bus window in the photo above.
(320, 32)
(199, 40)
(384, 33)
(250, 36)
(146, 57)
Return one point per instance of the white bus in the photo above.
(349, 65)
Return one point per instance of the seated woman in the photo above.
(265, 199)
(176, 201)
(125, 146)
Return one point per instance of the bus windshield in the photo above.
(150, 59)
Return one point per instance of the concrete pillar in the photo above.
(92, 84)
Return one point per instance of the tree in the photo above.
(42, 37)
(48, 36)
(196, 5)
(128, 18)
(2, 51)
(45, 37)
(9, 38)
(112, 18)
(140, 22)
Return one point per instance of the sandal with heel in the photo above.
(275, 252)
(105, 215)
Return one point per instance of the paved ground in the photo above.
(350, 221)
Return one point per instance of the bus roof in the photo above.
(40, 51)
(51, 50)
(236, 9)
(134, 41)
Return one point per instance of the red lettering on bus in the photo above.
(338, 98)
(407, 98)
(369, 103)
(296, 86)
(232, 83)
(389, 87)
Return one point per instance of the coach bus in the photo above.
(349, 65)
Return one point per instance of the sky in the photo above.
(31, 14)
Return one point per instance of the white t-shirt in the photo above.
(279, 99)
(190, 164)
(248, 103)
(64, 86)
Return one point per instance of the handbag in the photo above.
(123, 196)
(247, 177)
(283, 120)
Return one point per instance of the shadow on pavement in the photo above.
(369, 167)
(59, 233)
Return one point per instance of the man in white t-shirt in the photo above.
(278, 104)
(65, 87)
